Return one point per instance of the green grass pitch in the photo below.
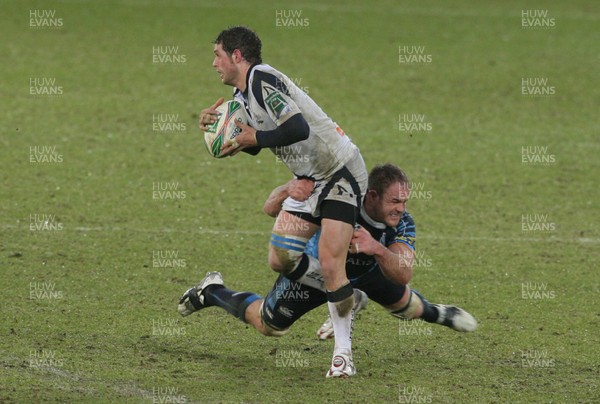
(110, 206)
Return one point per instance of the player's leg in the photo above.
(211, 291)
(333, 248)
(361, 300)
(413, 305)
(285, 303)
(340, 204)
(407, 304)
(374, 285)
(290, 235)
(253, 317)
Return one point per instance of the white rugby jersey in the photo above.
(271, 99)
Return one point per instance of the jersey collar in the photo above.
(370, 221)
(245, 93)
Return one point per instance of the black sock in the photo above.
(430, 312)
(234, 302)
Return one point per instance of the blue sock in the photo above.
(234, 302)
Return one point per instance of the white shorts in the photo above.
(347, 185)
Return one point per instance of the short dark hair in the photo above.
(242, 38)
(384, 175)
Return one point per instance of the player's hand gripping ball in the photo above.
(224, 128)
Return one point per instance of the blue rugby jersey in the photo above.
(359, 264)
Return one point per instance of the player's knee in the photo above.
(268, 329)
(410, 310)
(285, 252)
(280, 261)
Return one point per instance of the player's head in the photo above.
(387, 194)
(235, 50)
(243, 39)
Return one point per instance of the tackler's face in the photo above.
(390, 206)
(225, 65)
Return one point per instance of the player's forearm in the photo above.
(291, 131)
(397, 267)
(272, 205)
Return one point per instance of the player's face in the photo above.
(225, 66)
(390, 206)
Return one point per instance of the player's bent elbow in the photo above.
(297, 129)
(305, 131)
(406, 275)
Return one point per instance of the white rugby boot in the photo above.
(193, 299)
(342, 365)
(455, 318)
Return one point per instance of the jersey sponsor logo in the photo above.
(275, 101)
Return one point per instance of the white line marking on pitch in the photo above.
(582, 240)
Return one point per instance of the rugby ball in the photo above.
(224, 128)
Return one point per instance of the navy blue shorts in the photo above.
(288, 300)
(378, 287)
